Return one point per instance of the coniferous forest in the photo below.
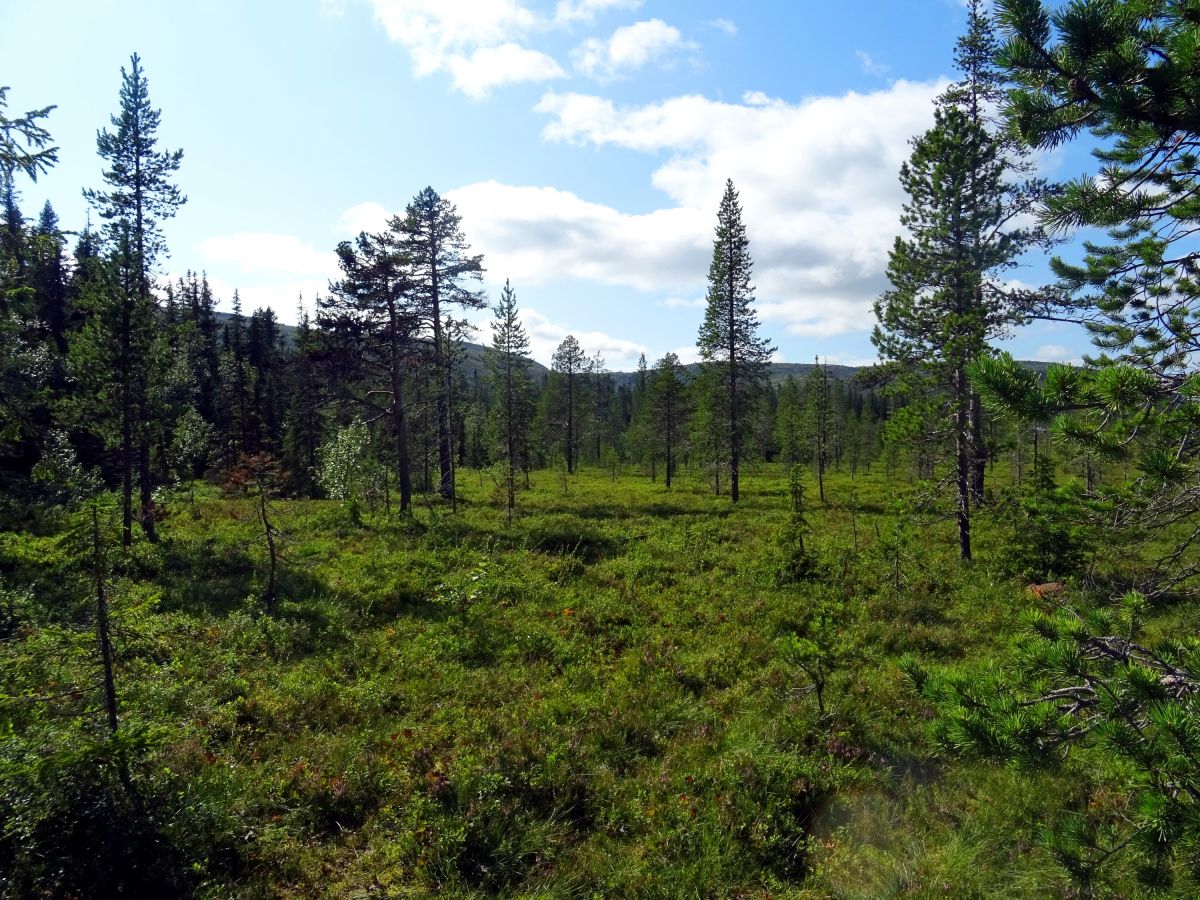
(361, 607)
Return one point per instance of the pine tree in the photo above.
(370, 324)
(441, 266)
(1093, 688)
(1131, 80)
(931, 323)
(139, 194)
(734, 356)
(508, 375)
(24, 144)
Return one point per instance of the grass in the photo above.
(589, 702)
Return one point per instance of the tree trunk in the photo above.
(962, 439)
(511, 435)
(980, 455)
(442, 363)
(399, 420)
(146, 486)
(126, 426)
(102, 629)
(570, 424)
(670, 430)
(734, 442)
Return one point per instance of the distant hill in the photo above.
(473, 362)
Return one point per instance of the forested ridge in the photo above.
(375, 604)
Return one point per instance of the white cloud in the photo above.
(725, 25)
(680, 303)
(819, 191)
(538, 234)
(490, 67)
(630, 47)
(475, 41)
(568, 12)
(264, 253)
(687, 355)
(370, 217)
(620, 355)
(818, 184)
(1057, 353)
(283, 295)
(870, 65)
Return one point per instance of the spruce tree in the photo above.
(667, 399)
(302, 424)
(735, 358)
(569, 364)
(790, 424)
(139, 194)
(48, 279)
(26, 149)
(507, 362)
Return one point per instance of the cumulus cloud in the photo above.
(725, 25)
(475, 41)
(567, 12)
(545, 335)
(490, 67)
(283, 295)
(819, 191)
(534, 235)
(628, 48)
(370, 217)
(818, 184)
(263, 253)
(267, 270)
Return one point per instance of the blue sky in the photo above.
(585, 143)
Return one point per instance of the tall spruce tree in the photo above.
(139, 194)
(441, 268)
(507, 362)
(25, 149)
(734, 356)
(570, 364)
(667, 399)
(302, 425)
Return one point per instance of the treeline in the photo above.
(113, 376)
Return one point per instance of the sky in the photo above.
(585, 143)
